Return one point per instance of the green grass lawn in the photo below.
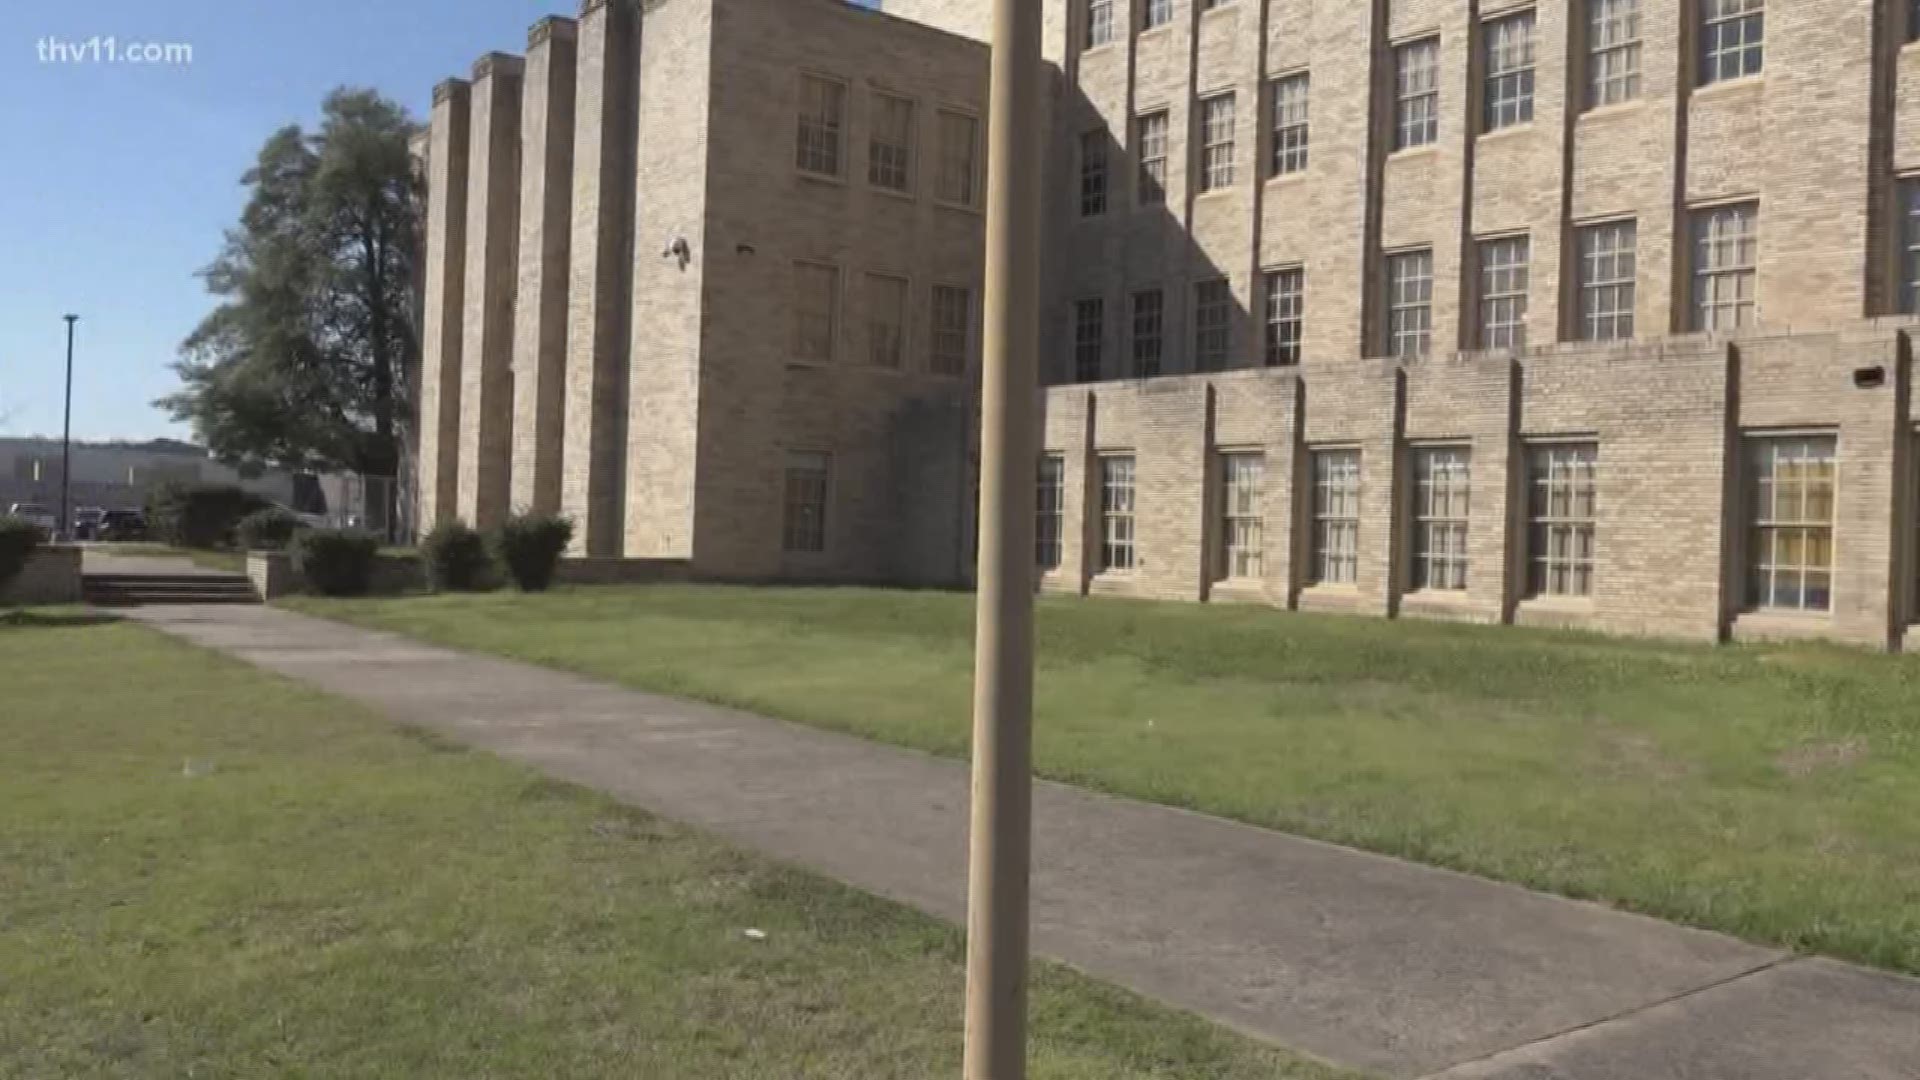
(210, 558)
(1773, 793)
(208, 871)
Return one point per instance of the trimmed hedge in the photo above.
(266, 530)
(530, 545)
(456, 557)
(335, 562)
(18, 538)
(199, 515)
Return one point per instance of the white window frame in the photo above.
(1217, 143)
(1791, 527)
(1505, 276)
(1242, 544)
(1508, 47)
(1291, 104)
(959, 181)
(1286, 315)
(1726, 262)
(1607, 277)
(1151, 131)
(805, 502)
(1089, 339)
(1416, 99)
(820, 147)
(1099, 23)
(1119, 552)
(1409, 292)
(1613, 52)
(1093, 173)
(888, 298)
(1335, 539)
(1442, 517)
(890, 154)
(807, 331)
(1563, 502)
(949, 329)
(1156, 14)
(1733, 39)
(1149, 332)
(1213, 324)
(1049, 512)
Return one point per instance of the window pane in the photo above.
(1561, 511)
(823, 114)
(1291, 131)
(1285, 316)
(1509, 52)
(1416, 93)
(1504, 273)
(1212, 325)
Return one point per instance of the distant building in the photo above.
(1592, 313)
(118, 475)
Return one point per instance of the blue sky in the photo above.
(117, 180)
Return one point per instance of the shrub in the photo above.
(199, 515)
(336, 562)
(529, 545)
(265, 529)
(456, 557)
(18, 538)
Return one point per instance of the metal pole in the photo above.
(64, 527)
(1002, 826)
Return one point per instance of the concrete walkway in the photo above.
(1371, 962)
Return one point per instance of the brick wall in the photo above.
(1672, 519)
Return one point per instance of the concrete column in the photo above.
(600, 296)
(493, 232)
(442, 304)
(546, 231)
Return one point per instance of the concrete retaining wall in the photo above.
(51, 576)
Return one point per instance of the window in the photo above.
(1410, 303)
(886, 320)
(1049, 510)
(890, 145)
(1733, 37)
(1149, 326)
(1606, 280)
(1910, 245)
(1116, 512)
(959, 158)
(1241, 520)
(1093, 174)
(1152, 139)
(1210, 5)
(1099, 22)
(1509, 55)
(1212, 325)
(1089, 324)
(1560, 514)
(805, 529)
(1286, 315)
(1290, 128)
(1442, 491)
(1790, 482)
(947, 335)
(1336, 517)
(1416, 102)
(1503, 292)
(1726, 241)
(1216, 143)
(1913, 20)
(1613, 52)
(816, 312)
(1158, 13)
(823, 123)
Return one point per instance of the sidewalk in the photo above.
(1367, 961)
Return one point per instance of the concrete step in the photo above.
(126, 590)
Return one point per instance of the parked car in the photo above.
(122, 525)
(86, 522)
(39, 515)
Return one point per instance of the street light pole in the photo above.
(1000, 856)
(64, 527)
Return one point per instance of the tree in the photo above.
(304, 363)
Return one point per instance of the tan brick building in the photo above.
(1576, 312)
